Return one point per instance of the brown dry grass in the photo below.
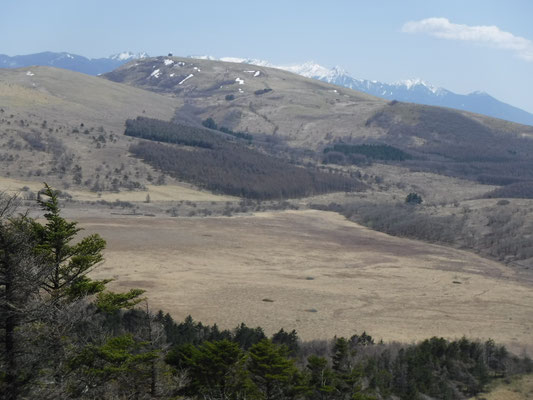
(157, 193)
(325, 275)
(520, 388)
(71, 97)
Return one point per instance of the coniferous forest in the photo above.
(66, 336)
(221, 164)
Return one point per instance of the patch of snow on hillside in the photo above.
(155, 74)
(257, 73)
(172, 75)
(241, 91)
(240, 81)
(181, 64)
(168, 62)
(197, 69)
(29, 73)
(188, 77)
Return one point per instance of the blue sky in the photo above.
(460, 45)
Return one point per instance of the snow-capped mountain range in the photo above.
(411, 90)
(74, 62)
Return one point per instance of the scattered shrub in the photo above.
(413, 198)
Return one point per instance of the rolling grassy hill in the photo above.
(314, 115)
(57, 121)
(67, 128)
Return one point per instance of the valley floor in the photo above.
(315, 272)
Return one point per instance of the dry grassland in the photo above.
(72, 97)
(157, 193)
(518, 388)
(314, 272)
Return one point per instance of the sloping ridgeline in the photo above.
(211, 161)
(447, 142)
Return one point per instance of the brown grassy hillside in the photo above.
(67, 128)
(314, 115)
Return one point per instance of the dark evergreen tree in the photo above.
(321, 379)
(21, 276)
(247, 337)
(273, 372)
(413, 198)
(216, 370)
(289, 339)
(68, 262)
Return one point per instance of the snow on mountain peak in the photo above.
(128, 55)
(479, 93)
(253, 61)
(335, 75)
(412, 83)
(311, 69)
(203, 57)
(125, 55)
(339, 70)
(409, 83)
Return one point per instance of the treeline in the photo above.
(487, 173)
(343, 368)
(401, 219)
(211, 124)
(372, 151)
(522, 190)
(231, 167)
(65, 336)
(169, 132)
(504, 237)
(208, 363)
(239, 171)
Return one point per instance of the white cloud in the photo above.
(481, 34)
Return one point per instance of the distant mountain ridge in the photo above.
(421, 92)
(73, 62)
(412, 90)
